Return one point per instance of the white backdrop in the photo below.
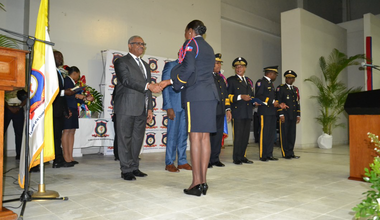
(155, 135)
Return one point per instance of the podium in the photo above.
(363, 109)
(12, 76)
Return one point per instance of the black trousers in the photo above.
(130, 131)
(18, 126)
(256, 127)
(267, 135)
(288, 136)
(58, 123)
(216, 139)
(241, 129)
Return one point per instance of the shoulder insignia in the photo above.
(258, 84)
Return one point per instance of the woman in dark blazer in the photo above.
(72, 123)
(199, 98)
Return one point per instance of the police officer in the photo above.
(222, 109)
(288, 94)
(265, 91)
(240, 90)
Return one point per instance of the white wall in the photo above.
(372, 29)
(305, 38)
(81, 29)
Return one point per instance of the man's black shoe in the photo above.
(272, 158)
(295, 157)
(209, 165)
(238, 162)
(218, 164)
(128, 176)
(139, 173)
(264, 159)
(288, 157)
(245, 160)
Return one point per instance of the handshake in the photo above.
(158, 87)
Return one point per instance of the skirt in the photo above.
(72, 122)
(201, 116)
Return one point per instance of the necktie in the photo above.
(141, 67)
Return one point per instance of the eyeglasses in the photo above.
(138, 43)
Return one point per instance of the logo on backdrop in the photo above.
(154, 102)
(164, 121)
(164, 139)
(150, 139)
(113, 80)
(153, 64)
(116, 55)
(100, 128)
(152, 124)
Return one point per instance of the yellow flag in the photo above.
(44, 88)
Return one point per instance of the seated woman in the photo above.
(72, 123)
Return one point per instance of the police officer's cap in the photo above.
(290, 73)
(271, 68)
(239, 61)
(218, 57)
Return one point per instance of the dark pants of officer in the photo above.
(288, 136)
(256, 127)
(267, 135)
(241, 136)
(18, 127)
(216, 139)
(58, 123)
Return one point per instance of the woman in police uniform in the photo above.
(199, 98)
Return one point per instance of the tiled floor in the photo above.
(313, 187)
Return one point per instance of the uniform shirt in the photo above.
(265, 91)
(285, 94)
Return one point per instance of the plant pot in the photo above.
(325, 141)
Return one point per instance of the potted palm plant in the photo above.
(331, 92)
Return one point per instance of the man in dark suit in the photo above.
(222, 109)
(289, 118)
(240, 90)
(60, 111)
(177, 132)
(265, 92)
(133, 106)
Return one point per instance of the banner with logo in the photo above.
(155, 135)
(97, 132)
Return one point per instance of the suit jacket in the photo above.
(197, 66)
(171, 98)
(291, 99)
(240, 109)
(59, 105)
(265, 92)
(71, 100)
(221, 86)
(130, 90)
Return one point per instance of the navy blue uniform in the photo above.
(265, 91)
(242, 112)
(199, 95)
(290, 97)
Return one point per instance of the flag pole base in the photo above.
(42, 193)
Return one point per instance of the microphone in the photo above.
(363, 64)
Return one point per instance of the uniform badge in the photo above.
(278, 89)
(258, 84)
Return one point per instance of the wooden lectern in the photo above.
(363, 109)
(12, 76)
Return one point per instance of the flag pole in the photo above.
(42, 193)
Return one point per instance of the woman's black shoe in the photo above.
(195, 191)
(74, 162)
(204, 188)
